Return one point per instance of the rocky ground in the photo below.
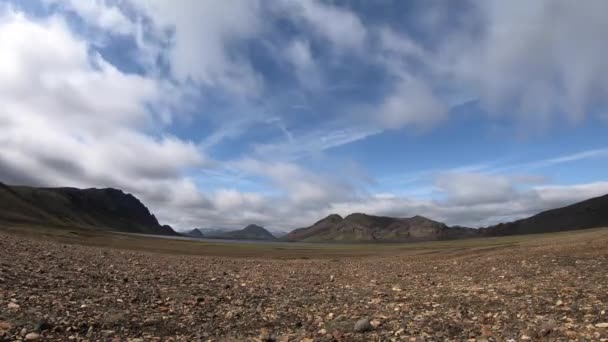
(557, 291)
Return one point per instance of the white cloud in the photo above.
(69, 118)
(541, 58)
(300, 56)
(339, 26)
(475, 188)
(101, 13)
(411, 103)
(204, 34)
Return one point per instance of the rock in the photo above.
(337, 335)
(559, 302)
(5, 325)
(32, 337)
(13, 306)
(375, 323)
(266, 336)
(363, 325)
(602, 325)
(43, 325)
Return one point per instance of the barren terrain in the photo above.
(85, 286)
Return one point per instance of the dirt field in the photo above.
(85, 286)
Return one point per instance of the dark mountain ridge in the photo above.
(114, 210)
(592, 213)
(251, 232)
(360, 227)
(97, 209)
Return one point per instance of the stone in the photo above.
(13, 306)
(43, 325)
(32, 337)
(363, 325)
(602, 325)
(375, 323)
(5, 325)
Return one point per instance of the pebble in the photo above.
(13, 306)
(43, 325)
(363, 325)
(375, 323)
(32, 337)
(602, 325)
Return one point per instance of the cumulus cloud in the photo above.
(541, 58)
(202, 36)
(71, 116)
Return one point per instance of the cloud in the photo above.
(547, 62)
(340, 27)
(301, 58)
(466, 204)
(74, 113)
(411, 103)
(101, 13)
(475, 188)
(202, 36)
(69, 118)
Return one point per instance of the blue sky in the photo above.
(222, 114)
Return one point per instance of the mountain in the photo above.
(251, 232)
(368, 228)
(97, 209)
(212, 232)
(592, 213)
(194, 233)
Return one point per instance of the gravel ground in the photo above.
(66, 292)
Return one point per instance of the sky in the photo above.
(280, 112)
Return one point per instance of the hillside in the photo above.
(368, 228)
(194, 233)
(97, 209)
(251, 232)
(591, 213)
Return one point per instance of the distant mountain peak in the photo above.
(250, 232)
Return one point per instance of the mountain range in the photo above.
(114, 210)
(94, 209)
(251, 232)
(358, 227)
(368, 228)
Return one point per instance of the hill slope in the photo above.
(592, 213)
(194, 233)
(367, 228)
(251, 232)
(98, 209)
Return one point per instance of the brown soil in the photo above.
(57, 287)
